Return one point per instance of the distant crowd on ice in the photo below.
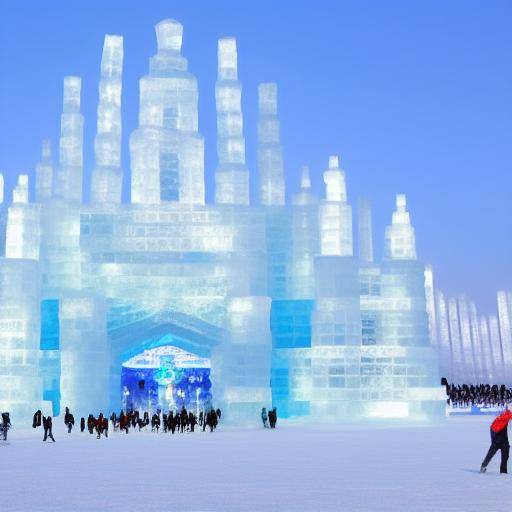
(481, 395)
(173, 421)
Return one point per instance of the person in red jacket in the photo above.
(499, 441)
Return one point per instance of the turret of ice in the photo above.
(167, 151)
(107, 176)
(335, 214)
(270, 152)
(44, 174)
(69, 177)
(400, 242)
(231, 175)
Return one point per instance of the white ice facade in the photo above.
(271, 295)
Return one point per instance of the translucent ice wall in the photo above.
(466, 339)
(23, 233)
(443, 338)
(241, 364)
(335, 214)
(85, 355)
(107, 176)
(44, 174)
(231, 175)
(270, 152)
(497, 354)
(399, 238)
(478, 348)
(20, 383)
(69, 177)
(365, 239)
(167, 151)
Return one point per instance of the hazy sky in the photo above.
(414, 95)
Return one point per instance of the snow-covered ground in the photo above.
(294, 468)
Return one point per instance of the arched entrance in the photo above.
(162, 360)
(166, 378)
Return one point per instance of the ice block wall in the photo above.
(85, 354)
(20, 383)
(270, 152)
(23, 233)
(107, 176)
(69, 177)
(167, 151)
(241, 364)
(44, 174)
(231, 175)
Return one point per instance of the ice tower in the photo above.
(69, 177)
(231, 175)
(167, 151)
(44, 174)
(270, 153)
(107, 176)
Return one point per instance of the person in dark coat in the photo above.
(219, 413)
(36, 422)
(183, 419)
(264, 417)
(201, 418)
(6, 425)
(499, 441)
(82, 424)
(192, 421)
(91, 423)
(69, 420)
(47, 425)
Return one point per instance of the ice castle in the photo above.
(167, 300)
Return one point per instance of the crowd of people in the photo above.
(482, 395)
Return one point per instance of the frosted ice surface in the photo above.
(44, 174)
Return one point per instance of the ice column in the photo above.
(305, 243)
(467, 345)
(457, 350)
(231, 175)
(336, 318)
(478, 349)
(23, 233)
(505, 332)
(241, 364)
(399, 238)
(44, 174)
(431, 307)
(107, 176)
(490, 371)
(335, 214)
(69, 177)
(167, 151)
(444, 344)
(365, 231)
(85, 355)
(497, 354)
(270, 152)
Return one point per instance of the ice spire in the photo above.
(505, 326)
(166, 150)
(305, 196)
(69, 177)
(20, 191)
(430, 301)
(270, 152)
(400, 242)
(44, 173)
(365, 231)
(107, 176)
(231, 175)
(335, 214)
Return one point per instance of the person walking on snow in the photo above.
(69, 420)
(47, 424)
(499, 441)
(264, 417)
(5, 425)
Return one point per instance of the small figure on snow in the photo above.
(47, 425)
(499, 441)
(6, 425)
(69, 420)
(264, 417)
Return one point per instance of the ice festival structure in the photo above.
(167, 300)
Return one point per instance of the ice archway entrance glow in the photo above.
(166, 378)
